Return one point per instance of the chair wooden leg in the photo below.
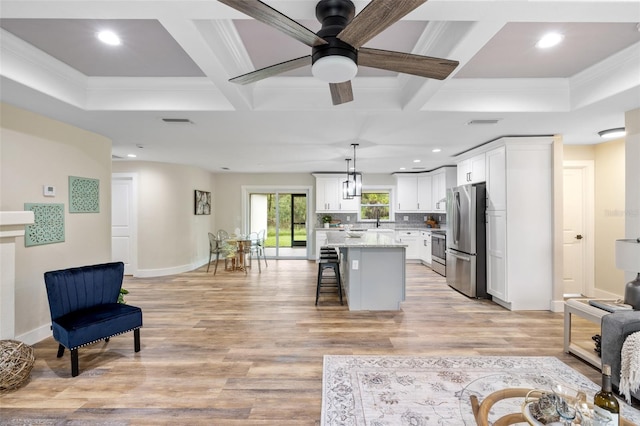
(136, 340)
(215, 269)
(107, 339)
(74, 363)
(60, 351)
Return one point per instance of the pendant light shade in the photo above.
(357, 178)
(348, 186)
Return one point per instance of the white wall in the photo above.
(37, 151)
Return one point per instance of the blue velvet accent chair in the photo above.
(84, 307)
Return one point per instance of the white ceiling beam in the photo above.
(418, 93)
(189, 37)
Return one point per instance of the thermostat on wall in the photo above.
(49, 191)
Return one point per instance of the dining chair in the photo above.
(261, 239)
(223, 235)
(215, 247)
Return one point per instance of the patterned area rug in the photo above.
(397, 390)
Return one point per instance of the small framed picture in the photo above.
(202, 202)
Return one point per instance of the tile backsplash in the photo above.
(413, 220)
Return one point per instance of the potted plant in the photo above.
(326, 220)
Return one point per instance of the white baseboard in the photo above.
(150, 273)
(34, 336)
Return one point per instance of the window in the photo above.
(375, 204)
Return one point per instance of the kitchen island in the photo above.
(373, 270)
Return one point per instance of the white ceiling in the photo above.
(177, 57)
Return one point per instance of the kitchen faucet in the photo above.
(377, 218)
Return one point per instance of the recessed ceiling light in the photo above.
(436, 150)
(131, 155)
(109, 37)
(416, 161)
(613, 133)
(549, 40)
(403, 168)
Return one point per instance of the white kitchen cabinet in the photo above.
(425, 247)
(441, 179)
(471, 170)
(424, 190)
(321, 240)
(329, 195)
(520, 223)
(412, 239)
(406, 193)
(496, 182)
(496, 254)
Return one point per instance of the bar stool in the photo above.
(329, 259)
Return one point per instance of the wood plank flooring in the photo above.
(236, 349)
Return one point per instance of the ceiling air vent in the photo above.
(177, 120)
(477, 122)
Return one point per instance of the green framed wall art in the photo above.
(48, 225)
(84, 195)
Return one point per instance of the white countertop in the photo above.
(368, 239)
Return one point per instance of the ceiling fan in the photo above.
(336, 50)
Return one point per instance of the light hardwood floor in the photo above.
(239, 349)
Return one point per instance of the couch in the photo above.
(84, 307)
(615, 328)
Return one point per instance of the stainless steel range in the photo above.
(439, 252)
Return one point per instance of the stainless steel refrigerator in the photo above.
(466, 239)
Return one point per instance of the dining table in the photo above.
(238, 248)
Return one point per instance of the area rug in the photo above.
(410, 390)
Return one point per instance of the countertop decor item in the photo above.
(16, 362)
(628, 259)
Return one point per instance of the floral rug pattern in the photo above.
(417, 391)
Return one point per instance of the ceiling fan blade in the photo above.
(268, 15)
(374, 18)
(272, 70)
(341, 93)
(407, 63)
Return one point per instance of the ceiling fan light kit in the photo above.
(337, 49)
(334, 69)
(613, 133)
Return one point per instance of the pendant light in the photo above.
(357, 178)
(348, 186)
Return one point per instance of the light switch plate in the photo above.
(354, 265)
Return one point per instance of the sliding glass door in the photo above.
(284, 216)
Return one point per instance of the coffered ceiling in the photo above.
(177, 56)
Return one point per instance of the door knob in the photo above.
(579, 237)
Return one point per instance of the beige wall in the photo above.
(632, 153)
(228, 193)
(609, 217)
(37, 151)
(609, 159)
(171, 238)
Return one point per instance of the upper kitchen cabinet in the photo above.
(441, 179)
(424, 192)
(329, 195)
(472, 170)
(414, 193)
(407, 193)
(496, 183)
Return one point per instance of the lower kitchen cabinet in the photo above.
(412, 238)
(496, 247)
(425, 247)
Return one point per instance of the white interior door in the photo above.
(578, 233)
(123, 220)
